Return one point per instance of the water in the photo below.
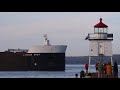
(68, 73)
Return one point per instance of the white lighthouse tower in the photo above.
(100, 42)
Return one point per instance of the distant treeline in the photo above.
(85, 59)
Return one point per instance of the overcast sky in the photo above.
(26, 29)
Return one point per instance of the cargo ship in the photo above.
(45, 57)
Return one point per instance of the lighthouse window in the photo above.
(101, 30)
(105, 30)
(96, 30)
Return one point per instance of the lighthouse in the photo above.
(100, 42)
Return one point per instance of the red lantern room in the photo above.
(100, 27)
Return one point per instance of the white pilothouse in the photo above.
(47, 47)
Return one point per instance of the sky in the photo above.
(25, 29)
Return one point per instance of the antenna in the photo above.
(46, 41)
(45, 35)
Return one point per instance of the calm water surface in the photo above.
(68, 73)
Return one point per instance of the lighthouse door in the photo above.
(100, 48)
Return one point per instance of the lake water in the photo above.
(68, 73)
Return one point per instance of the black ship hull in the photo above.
(32, 61)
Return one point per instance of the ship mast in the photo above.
(46, 41)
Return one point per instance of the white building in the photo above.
(100, 41)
